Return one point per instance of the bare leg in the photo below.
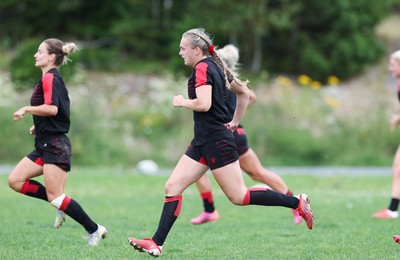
(396, 175)
(210, 214)
(250, 163)
(392, 210)
(25, 170)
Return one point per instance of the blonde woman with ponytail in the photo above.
(213, 146)
(50, 109)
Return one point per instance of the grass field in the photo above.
(129, 204)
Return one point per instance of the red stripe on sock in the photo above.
(207, 196)
(178, 208)
(65, 203)
(25, 187)
(246, 200)
(31, 188)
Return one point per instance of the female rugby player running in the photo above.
(213, 146)
(50, 108)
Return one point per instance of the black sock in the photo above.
(208, 202)
(171, 211)
(267, 197)
(75, 211)
(394, 204)
(34, 189)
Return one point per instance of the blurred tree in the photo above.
(329, 37)
(313, 37)
(245, 24)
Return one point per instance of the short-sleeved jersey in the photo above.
(51, 90)
(210, 125)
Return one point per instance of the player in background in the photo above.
(50, 108)
(248, 159)
(392, 210)
(213, 146)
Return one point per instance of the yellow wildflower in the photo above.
(332, 102)
(333, 80)
(315, 85)
(284, 81)
(304, 80)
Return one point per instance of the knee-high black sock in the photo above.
(394, 204)
(171, 211)
(75, 211)
(34, 189)
(267, 197)
(208, 202)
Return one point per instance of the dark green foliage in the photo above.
(24, 74)
(318, 38)
(330, 38)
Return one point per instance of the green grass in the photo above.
(129, 204)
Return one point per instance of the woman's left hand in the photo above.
(177, 101)
(232, 126)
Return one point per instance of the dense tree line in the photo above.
(318, 38)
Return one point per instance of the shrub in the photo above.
(329, 37)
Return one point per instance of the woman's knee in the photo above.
(236, 199)
(170, 186)
(12, 184)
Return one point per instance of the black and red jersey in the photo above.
(210, 125)
(51, 90)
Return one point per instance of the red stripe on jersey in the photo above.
(65, 203)
(201, 74)
(47, 81)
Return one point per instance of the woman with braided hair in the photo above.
(213, 146)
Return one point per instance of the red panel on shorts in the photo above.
(203, 161)
(39, 161)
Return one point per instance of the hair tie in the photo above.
(211, 49)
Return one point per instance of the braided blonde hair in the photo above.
(199, 38)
